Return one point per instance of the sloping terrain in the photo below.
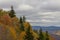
(9, 28)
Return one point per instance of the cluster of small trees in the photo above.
(43, 36)
(29, 34)
(22, 20)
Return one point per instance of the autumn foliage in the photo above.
(10, 28)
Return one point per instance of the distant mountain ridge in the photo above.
(45, 26)
(49, 28)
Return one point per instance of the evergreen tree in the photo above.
(47, 36)
(21, 20)
(1, 12)
(12, 12)
(22, 27)
(21, 24)
(24, 19)
(29, 35)
(36, 31)
(41, 36)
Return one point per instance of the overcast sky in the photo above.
(37, 12)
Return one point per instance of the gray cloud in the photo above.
(51, 5)
(37, 12)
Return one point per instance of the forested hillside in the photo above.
(13, 28)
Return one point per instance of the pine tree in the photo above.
(1, 12)
(21, 20)
(22, 27)
(21, 24)
(24, 19)
(41, 36)
(12, 12)
(29, 35)
(47, 36)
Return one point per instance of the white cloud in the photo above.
(25, 7)
(6, 9)
(33, 20)
(29, 20)
(44, 13)
(48, 17)
(7, 0)
(50, 14)
(44, 20)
